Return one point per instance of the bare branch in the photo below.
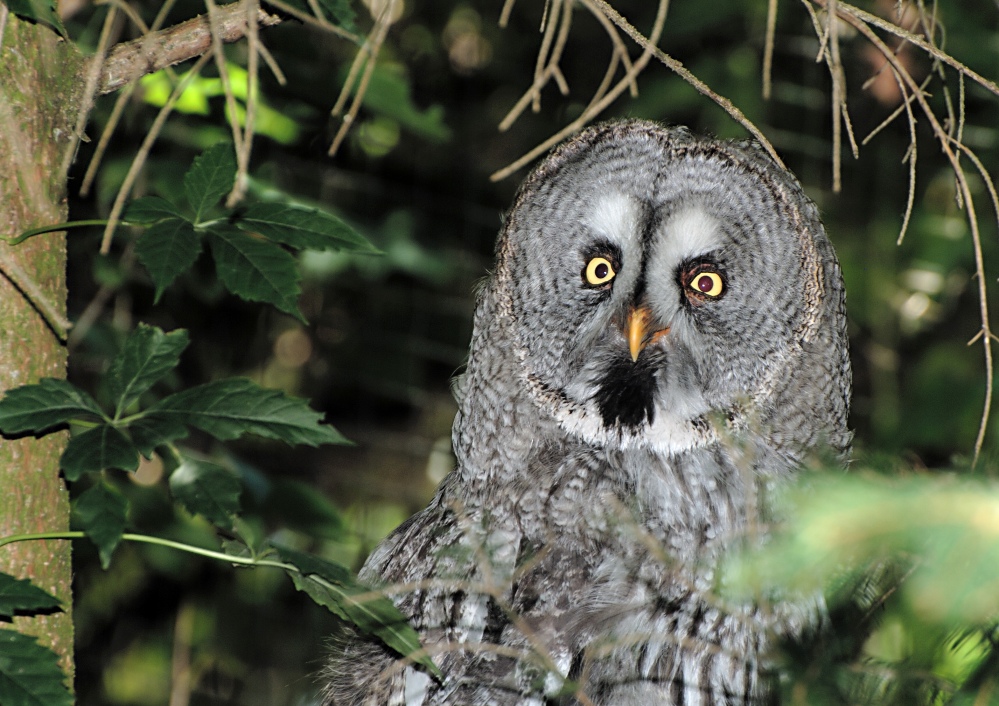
(133, 60)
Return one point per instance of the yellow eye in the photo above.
(599, 271)
(708, 283)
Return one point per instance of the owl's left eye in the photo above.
(599, 271)
(708, 283)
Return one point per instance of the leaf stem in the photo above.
(54, 227)
(147, 539)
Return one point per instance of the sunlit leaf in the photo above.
(101, 513)
(148, 355)
(302, 228)
(256, 269)
(29, 673)
(334, 587)
(20, 595)
(97, 449)
(210, 177)
(37, 408)
(208, 490)
(227, 409)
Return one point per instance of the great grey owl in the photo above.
(662, 340)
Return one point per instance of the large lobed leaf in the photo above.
(29, 673)
(148, 355)
(22, 596)
(302, 228)
(167, 249)
(102, 447)
(50, 403)
(227, 409)
(256, 269)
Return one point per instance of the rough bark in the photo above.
(38, 98)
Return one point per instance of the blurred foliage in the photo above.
(906, 559)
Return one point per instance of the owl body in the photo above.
(662, 341)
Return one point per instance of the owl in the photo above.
(662, 341)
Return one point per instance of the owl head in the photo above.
(662, 288)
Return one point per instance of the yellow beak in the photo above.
(637, 331)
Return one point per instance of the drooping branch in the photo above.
(132, 60)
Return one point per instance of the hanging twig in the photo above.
(143, 152)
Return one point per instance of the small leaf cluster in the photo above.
(250, 245)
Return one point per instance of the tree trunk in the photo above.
(39, 98)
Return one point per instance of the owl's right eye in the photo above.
(599, 271)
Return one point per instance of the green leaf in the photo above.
(37, 408)
(29, 673)
(210, 177)
(151, 431)
(227, 409)
(208, 490)
(256, 270)
(148, 355)
(22, 596)
(339, 11)
(302, 228)
(333, 587)
(150, 209)
(43, 11)
(167, 249)
(101, 512)
(97, 449)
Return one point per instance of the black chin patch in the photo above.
(625, 395)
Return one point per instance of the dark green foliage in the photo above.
(29, 673)
(334, 587)
(207, 489)
(43, 11)
(248, 244)
(101, 511)
(21, 596)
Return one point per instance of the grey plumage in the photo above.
(663, 339)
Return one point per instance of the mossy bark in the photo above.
(39, 97)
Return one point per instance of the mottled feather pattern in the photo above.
(570, 558)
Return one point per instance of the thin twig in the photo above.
(372, 49)
(223, 68)
(132, 60)
(143, 152)
(90, 89)
(768, 47)
(321, 23)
